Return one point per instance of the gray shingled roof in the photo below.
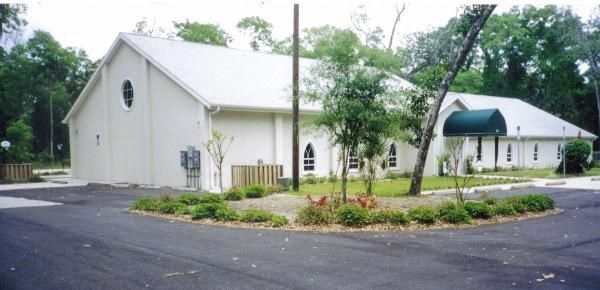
(534, 122)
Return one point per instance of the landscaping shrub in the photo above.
(479, 209)
(275, 188)
(537, 202)
(234, 193)
(255, 191)
(446, 207)
(226, 214)
(394, 217)
(352, 215)
(332, 178)
(313, 215)
(577, 152)
(504, 208)
(183, 210)
(35, 178)
(469, 165)
(278, 221)
(456, 216)
(256, 216)
(210, 198)
(165, 197)
(310, 178)
(488, 199)
(206, 210)
(422, 214)
(189, 199)
(516, 203)
(392, 175)
(170, 207)
(144, 203)
(6, 181)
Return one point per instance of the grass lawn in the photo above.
(394, 188)
(544, 173)
(55, 165)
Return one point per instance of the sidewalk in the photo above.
(51, 181)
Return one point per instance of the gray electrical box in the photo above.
(190, 156)
(196, 159)
(183, 159)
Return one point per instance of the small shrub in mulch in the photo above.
(170, 207)
(256, 216)
(234, 193)
(313, 214)
(504, 208)
(255, 191)
(206, 210)
(537, 202)
(210, 198)
(144, 203)
(423, 214)
(278, 221)
(389, 216)
(165, 197)
(352, 215)
(226, 214)
(479, 210)
(189, 199)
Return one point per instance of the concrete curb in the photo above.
(551, 183)
(525, 185)
(595, 179)
(489, 189)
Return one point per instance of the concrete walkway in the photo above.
(51, 181)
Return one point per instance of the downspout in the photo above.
(212, 112)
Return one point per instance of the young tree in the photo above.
(20, 136)
(202, 32)
(259, 29)
(455, 146)
(217, 146)
(480, 14)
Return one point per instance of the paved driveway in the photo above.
(90, 242)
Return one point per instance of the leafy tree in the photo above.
(217, 146)
(354, 98)
(20, 136)
(577, 154)
(259, 29)
(482, 13)
(470, 81)
(202, 32)
(11, 19)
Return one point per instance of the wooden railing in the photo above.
(16, 172)
(244, 175)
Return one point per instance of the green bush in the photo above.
(255, 191)
(446, 207)
(189, 199)
(503, 208)
(210, 198)
(206, 210)
(6, 181)
(313, 215)
(144, 203)
(183, 210)
(352, 215)
(537, 202)
(457, 215)
(170, 207)
(394, 217)
(234, 193)
(332, 178)
(226, 214)
(35, 178)
(469, 164)
(275, 188)
(310, 178)
(165, 197)
(278, 221)
(516, 203)
(489, 199)
(256, 216)
(422, 214)
(577, 152)
(479, 209)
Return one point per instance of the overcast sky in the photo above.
(93, 25)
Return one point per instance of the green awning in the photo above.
(489, 122)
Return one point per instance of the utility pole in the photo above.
(295, 106)
(51, 129)
(564, 155)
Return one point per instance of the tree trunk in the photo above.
(295, 105)
(398, 14)
(459, 58)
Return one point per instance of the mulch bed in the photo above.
(336, 228)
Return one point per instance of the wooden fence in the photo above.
(16, 172)
(244, 175)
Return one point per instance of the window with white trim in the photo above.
(352, 160)
(392, 156)
(559, 152)
(127, 91)
(509, 153)
(535, 152)
(309, 158)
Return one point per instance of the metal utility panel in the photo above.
(183, 159)
(190, 156)
(196, 159)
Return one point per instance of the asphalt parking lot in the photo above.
(91, 242)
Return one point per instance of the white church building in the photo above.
(151, 98)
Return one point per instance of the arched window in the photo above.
(127, 91)
(392, 156)
(535, 152)
(352, 160)
(509, 153)
(309, 158)
(559, 152)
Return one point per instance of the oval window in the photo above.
(127, 90)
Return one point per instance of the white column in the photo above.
(73, 146)
(278, 140)
(105, 136)
(145, 86)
